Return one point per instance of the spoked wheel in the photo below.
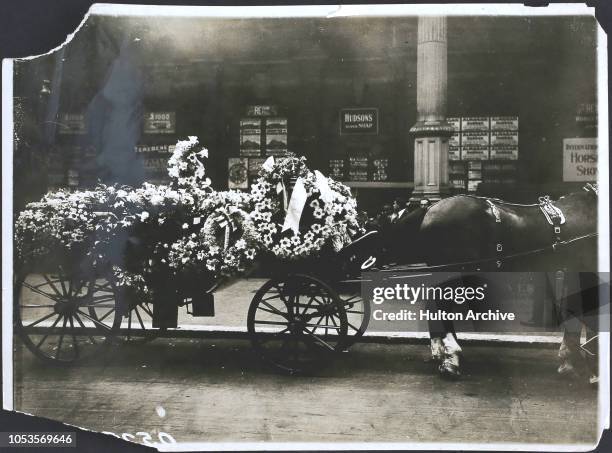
(297, 323)
(63, 318)
(137, 325)
(357, 312)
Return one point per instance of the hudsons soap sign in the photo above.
(359, 121)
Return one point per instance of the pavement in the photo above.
(206, 388)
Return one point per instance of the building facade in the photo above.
(518, 118)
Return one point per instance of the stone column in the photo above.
(431, 131)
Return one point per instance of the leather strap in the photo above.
(499, 247)
(554, 216)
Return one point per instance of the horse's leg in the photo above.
(589, 315)
(444, 345)
(570, 357)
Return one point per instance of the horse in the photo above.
(474, 233)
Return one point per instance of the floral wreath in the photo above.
(226, 244)
(328, 215)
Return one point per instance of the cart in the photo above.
(70, 310)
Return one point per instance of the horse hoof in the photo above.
(449, 371)
(566, 369)
(437, 349)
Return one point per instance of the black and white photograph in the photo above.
(380, 227)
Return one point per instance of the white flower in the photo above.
(144, 215)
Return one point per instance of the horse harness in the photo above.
(554, 217)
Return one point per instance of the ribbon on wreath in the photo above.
(224, 222)
(327, 194)
(296, 207)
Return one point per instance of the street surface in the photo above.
(216, 390)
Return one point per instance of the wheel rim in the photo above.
(296, 323)
(53, 315)
(358, 314)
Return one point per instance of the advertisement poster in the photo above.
(474, 152)
(579, 159)
(475, 123)
(160, 123)
(276, 136)
(504, 123)
(504, 144)
(250, 137)
(237, 177)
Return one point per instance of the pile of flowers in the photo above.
(62, 222)
(224, 244)
(188, 227)
(186, 164)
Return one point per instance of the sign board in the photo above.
(504, 138)
(71, 123)
(455, 122)
(474, 152)
(454, 146)
(359, 121)
(358, 168)
(154, 149)
(336, 169)
(504, 145)
(250, 137)
(380, 169)
(579, 159)
(262, 110)
(504, 123)
(475, 123)
(237, 177)
(475, 138)
(160, 123)
(276, 136)
(509, 152)
(586, 113)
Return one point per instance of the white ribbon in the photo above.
(268, 164)
(327, 194)
(296, 206)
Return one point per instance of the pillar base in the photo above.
(433, 195)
